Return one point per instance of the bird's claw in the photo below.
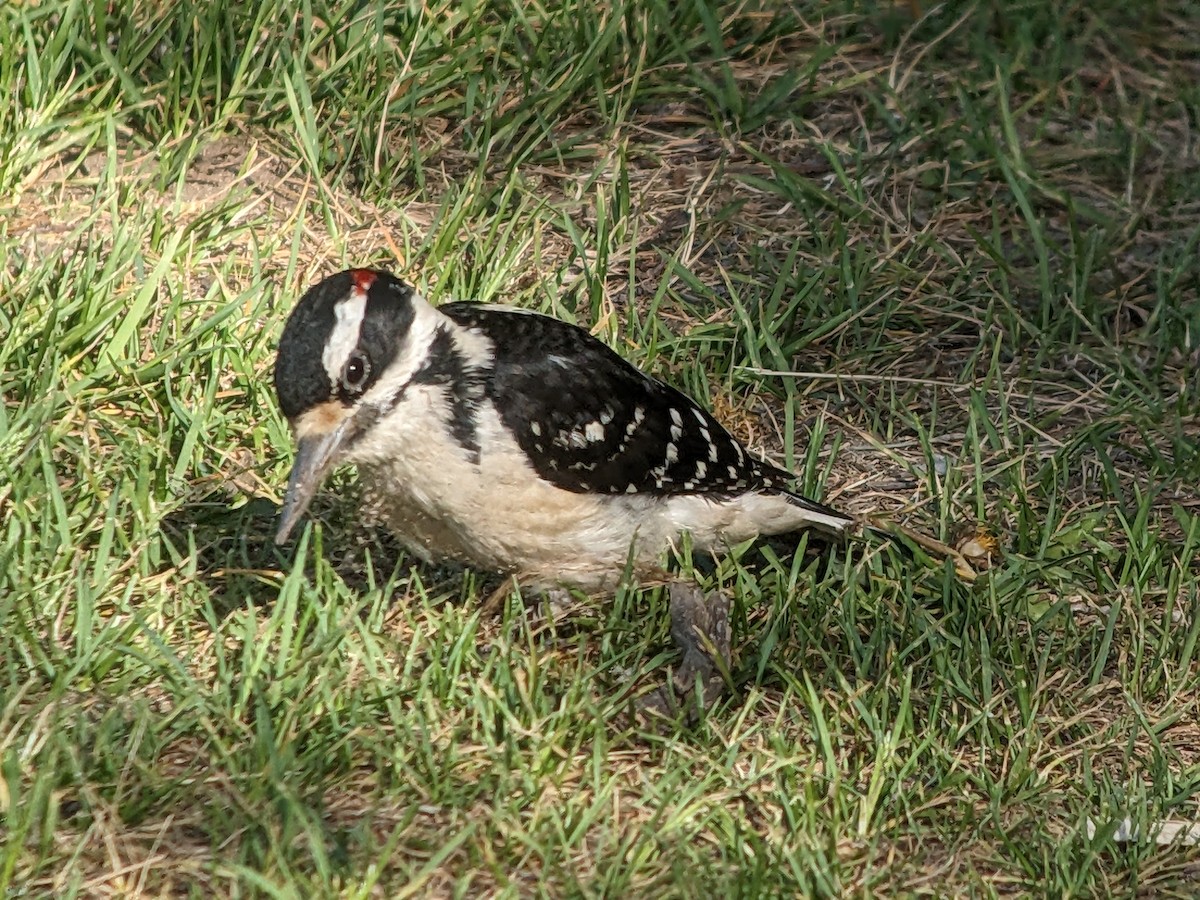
(700, 628)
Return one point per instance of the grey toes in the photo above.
(700, 628)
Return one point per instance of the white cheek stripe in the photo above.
(349, 315)
(412, 354)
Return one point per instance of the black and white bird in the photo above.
(512, 441)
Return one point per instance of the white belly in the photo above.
(495, 513)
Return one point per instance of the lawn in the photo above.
(942, 261)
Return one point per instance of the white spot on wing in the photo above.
(574, 438)
(701, 470)
(712, 452)
(672, 453)
(594, 431)
(536, 429)
(675, 417)
(638, 415)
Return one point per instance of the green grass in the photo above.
(948, 269)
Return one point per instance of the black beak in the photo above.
(315, 456)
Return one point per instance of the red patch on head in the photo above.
(363, 279)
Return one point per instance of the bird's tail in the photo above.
(819, 514)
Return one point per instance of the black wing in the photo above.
(590, 421)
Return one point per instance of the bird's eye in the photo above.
(356, 372)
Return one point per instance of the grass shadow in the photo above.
(229, 546)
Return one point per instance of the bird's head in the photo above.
(341, 360)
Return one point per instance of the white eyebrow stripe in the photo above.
(343, 339)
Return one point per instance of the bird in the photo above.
(517, 443)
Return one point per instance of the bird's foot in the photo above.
(700, 628)
(554, 602)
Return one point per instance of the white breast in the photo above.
(495, 513)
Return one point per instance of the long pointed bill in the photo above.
(315, 456)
